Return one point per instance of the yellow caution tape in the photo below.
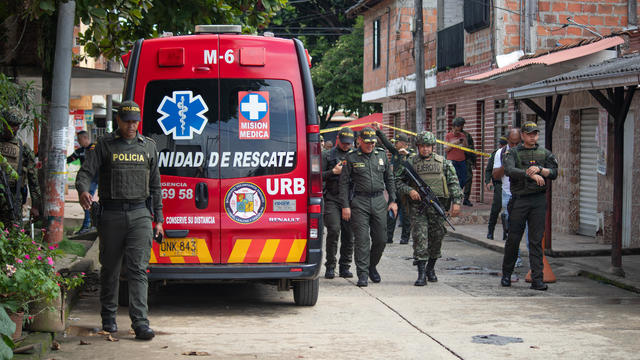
(412, 134)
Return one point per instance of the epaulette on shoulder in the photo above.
(150, 140)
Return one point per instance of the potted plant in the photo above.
(28, 275)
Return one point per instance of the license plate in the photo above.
(178, 247)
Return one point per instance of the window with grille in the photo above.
(501, 119)
(441, 127)
(376, 43)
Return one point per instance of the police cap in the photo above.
(368, 135)
(530, 127)
(129, 111)
(503, 140)
(346, 136)
(402, 137)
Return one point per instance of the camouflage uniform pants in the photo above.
(428, 231)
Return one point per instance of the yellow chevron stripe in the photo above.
(296, 250)
(269, 250)
(239, 251)
(153, 259)
(176, 259)
(204, 256)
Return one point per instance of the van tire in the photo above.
(305, 292)
(123, 293)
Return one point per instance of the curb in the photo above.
(591, 273)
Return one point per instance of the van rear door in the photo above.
(181, 112)
(263, 198)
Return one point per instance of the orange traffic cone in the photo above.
(547, 274)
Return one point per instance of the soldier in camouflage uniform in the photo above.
(130, 197)
(332, 162)
(23, 161)
(400, 152)
(369, 171)
(428, 227)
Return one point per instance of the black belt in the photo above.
(368, 194)
(123, 205)
(515, 196)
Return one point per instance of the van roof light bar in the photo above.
(218, 29)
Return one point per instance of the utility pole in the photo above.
(55, 174)
(418, 49)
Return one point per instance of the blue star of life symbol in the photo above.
(254, 107)
(182, 115)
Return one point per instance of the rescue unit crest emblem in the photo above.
(245, 203)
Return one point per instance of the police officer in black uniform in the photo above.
(332, 162)
(489, 181)
(130, 199)
(529, 167)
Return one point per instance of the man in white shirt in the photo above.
(513, 139)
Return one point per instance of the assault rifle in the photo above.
(427, 196)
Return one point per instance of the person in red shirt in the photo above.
(457, 156)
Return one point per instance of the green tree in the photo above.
(338, 78)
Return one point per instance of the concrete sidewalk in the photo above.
(596, 267)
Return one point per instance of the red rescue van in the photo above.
(234, 120)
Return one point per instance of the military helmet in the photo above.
(425, 138)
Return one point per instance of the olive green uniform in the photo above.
(23, 161)
(370, 174)
(337, 228)
(403, 201)
(528, 205)
(428, 227)
(128, 177)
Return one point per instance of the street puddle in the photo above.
(494, 339)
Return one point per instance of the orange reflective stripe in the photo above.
(239, 251)
(296, 250)
(270, 247)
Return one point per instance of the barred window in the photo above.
(441, 127)
(501, 119)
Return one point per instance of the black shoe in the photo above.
(404, 241)
(110, 326)
(82, 231)
(506, 280)
(431, 274)
(143, 332)
(374, 275)
(344, 272)
(329, 273)
(467, 202)
(362, 280)
(390, 241)
(490, 235)
(422, 275)
(538, 285)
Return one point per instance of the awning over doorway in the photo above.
(541, 67)
(84, 81)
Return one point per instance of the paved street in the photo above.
(577, 318)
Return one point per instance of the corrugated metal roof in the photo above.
(360, 7)
(622, 71)
(550, 59)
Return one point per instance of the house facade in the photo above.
(465, 43)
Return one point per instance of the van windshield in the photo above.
(227, 128)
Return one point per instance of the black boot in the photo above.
(538, 285)
(362, 280)
(374, 275)
(422, 275)
(344, 272)
(330, 273)
(490, 233)
(505, 226)
(431, 274)
(506, 280)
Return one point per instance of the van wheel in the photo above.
(123, 293)
(305, 292)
